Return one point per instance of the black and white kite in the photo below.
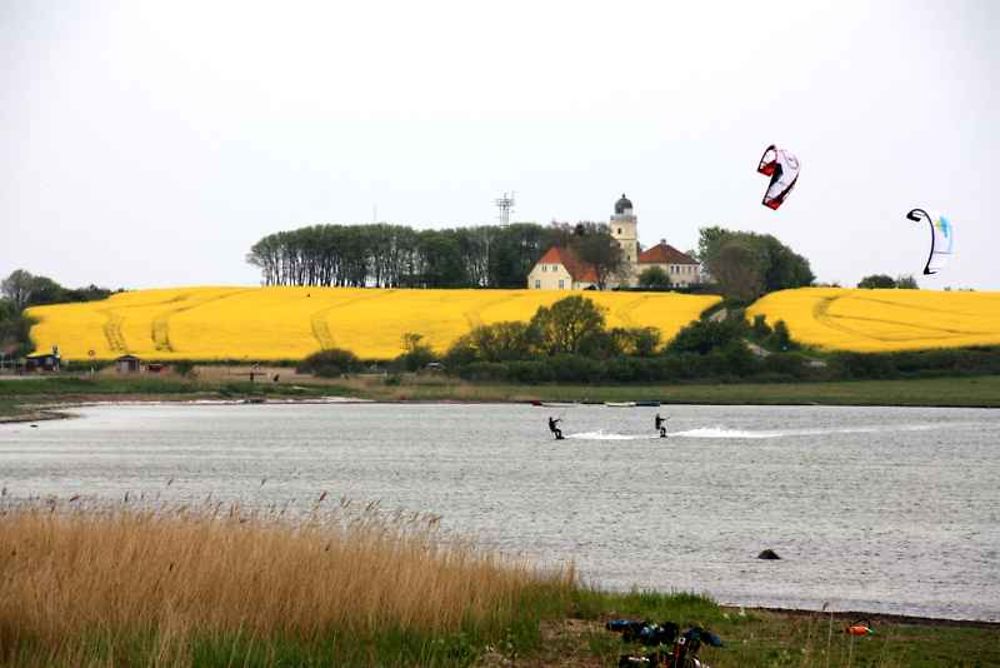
(783, 168)
(942, 239)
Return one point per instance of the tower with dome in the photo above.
(560, 269)
(624, 229)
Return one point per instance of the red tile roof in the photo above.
(664, 253)
(577, 268)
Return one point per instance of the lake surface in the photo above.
(876, 509)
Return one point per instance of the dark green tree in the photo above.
(746, 264)
(738, 268)
(441, 260)
(19, 288)
(593, 244)
(877, 281)
(572, 326)
(705, 336)
(498, 342)
(654, 277)
(330, 363)
(417, 354)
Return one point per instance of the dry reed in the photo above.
(69, 573)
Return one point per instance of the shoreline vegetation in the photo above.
(37, 398)
(91, 584)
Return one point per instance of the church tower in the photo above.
(623, 229)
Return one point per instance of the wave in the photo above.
(600, 435)
(722, 432)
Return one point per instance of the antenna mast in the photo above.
(506, 205)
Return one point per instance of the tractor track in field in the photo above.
(821, 313)
(318, 319)
(113, 331)
(160, 324)
(624, 312)
(473, 316)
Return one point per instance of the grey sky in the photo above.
(150, 144)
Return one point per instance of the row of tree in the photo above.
(22, 289)
(390, 256)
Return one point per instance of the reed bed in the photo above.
(119, 585)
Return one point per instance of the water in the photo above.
(876, 509)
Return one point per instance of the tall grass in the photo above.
(177, 587)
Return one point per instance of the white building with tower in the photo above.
(559, 269)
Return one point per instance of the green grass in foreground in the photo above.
(960, 391)
(551, 629)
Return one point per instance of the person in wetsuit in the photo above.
(659, 426)
(553, 422)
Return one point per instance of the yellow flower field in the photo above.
(884, 320)
(206, 323)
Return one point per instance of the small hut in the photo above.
(128, 364)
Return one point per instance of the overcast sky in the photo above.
(149, 144)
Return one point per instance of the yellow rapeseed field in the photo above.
(206, 323)
(884, 320)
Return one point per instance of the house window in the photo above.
(562, 284)
(538, 283)
(619, 230)
(545, 267)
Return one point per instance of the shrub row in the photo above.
(736, 363)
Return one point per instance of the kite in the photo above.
(783, 168)
(942, 239)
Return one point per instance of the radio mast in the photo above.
(506, 205)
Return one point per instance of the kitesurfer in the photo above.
(553, 427)
(659, 426)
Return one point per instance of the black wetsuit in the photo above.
(659, 426)
(554, 429)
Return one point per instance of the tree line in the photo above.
(396, 256)
(22, 289)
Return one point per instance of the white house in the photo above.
(559, 269)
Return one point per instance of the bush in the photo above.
(780, 339)
(331, 363)
(863, 365)
(183, 368)
(786, 366)
(759, 329)
(704, 336)
(576, 368)
(417, 355)
(484, 371)
(530, 372)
